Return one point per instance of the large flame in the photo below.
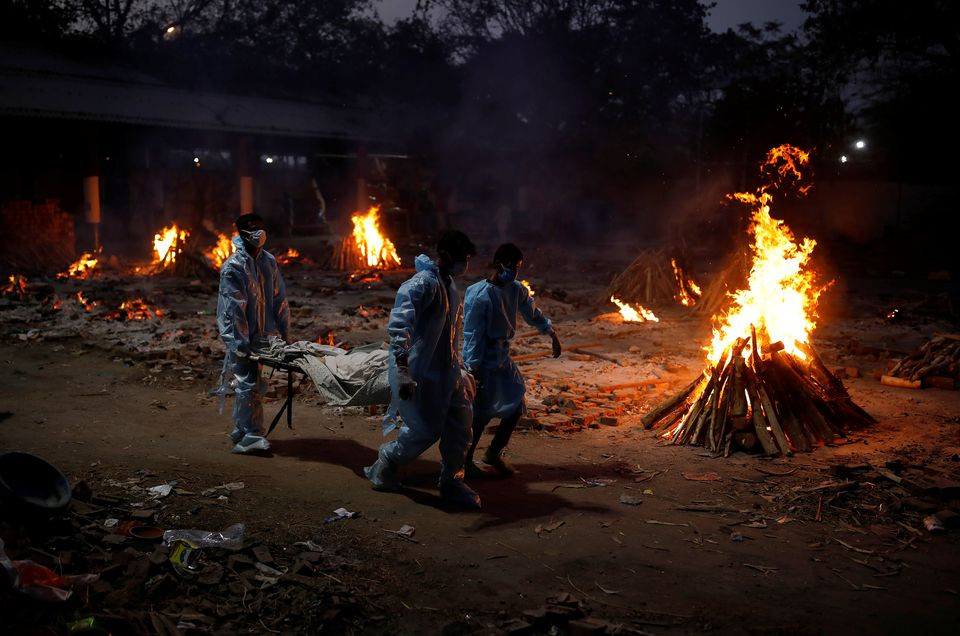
(780, 299)
(377, 249)
(221, 251)
(629, 314)
(167, 244)
(83, 266)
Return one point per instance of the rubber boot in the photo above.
(252, 444)
(383, 475)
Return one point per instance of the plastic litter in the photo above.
(39, 582)
(229, 539)
(340, 513)
(162, 490)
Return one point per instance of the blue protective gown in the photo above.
(425, 324)
(251, 308)
(489, 325)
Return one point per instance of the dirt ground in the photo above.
(595, 521)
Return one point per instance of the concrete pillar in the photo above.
(245, 171)
(246, 194)
(91, 191)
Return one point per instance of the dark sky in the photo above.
(727, 13)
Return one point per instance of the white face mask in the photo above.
(256, 238)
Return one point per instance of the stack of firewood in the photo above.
(650, 280)
(771, 400)
(936, 363)
(347, 256)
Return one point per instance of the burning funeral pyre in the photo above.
(367, 249)
(655, 278)
(764, 384)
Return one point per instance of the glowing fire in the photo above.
(221, 251)
(167, 244)
(689, 292)
(629, 314)
(529, 288)
(376, 249)
(86, 304)
(289, 256)
(83, 266)
(17, 286)
(780, 300)
(135, 309)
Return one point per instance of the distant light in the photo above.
(269, 159)
(171, 32)
(843, 159)
(171, 29)
(196, 161)
(861, 144)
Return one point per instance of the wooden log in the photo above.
(759, 420)
(549, 352)
(745, 440)
(902, 383)
(666, 406)
(631, 385)
(719, 421)
(940, 382)
(810, 419)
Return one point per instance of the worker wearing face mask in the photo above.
(431, 391)
(490, 323)
(251, 308)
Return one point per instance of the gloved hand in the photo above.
(557, 347)
(405, 383)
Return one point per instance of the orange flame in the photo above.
(377, 250)
(167, 244)
(629, 314)
(221, 251)
(83, 266)
(686, 298)
(780, 299)
(17, 286)
(292, 254)
(86, 304)
(529, 288)
(135, 309)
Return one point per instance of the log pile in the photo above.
(347, 256)
(936, 363)
(770, 401)
(650, 279)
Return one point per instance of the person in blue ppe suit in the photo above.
(251, 309)
(432, 393)
(490, 308)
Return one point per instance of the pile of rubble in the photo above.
(125, 568)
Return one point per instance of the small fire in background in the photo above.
(135, 309)
(221, 251)
(376, 249)
(17, 286)
(167, 244)
(629, 314)
(291, 255)
(83, 267)
(529, 288)
(87, 305)
(689, 292)
(327, 338)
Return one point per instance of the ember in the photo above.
(629, 314)
(87, 305)
(765, 384)
(529, 288)
(83, 266)
(135, 309)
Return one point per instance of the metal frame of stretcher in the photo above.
(275, 364)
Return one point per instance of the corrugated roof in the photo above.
(36, 84)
